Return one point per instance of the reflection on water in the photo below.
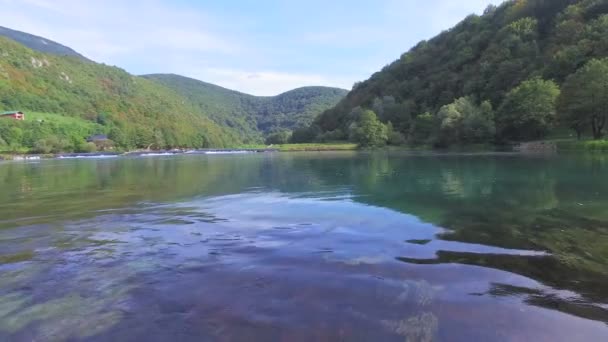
(320, 246)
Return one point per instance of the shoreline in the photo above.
(135, 153)
(540, 147)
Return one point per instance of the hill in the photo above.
(250, 115)
(462, 85)
(39, 44)
(134, 111)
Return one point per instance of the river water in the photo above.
(305, 247)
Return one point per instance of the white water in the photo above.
(88, 157)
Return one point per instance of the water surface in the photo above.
(306, 246)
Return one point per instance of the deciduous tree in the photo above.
(528, 110)
(584, 98)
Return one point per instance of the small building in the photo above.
(15, 115)
(101, 141)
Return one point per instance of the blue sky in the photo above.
(262, 47)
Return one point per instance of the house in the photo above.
(16, 115)
(101, 141)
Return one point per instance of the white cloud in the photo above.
(260, 48)
(265, 83)
(107, 30)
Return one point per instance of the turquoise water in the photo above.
(305, 246)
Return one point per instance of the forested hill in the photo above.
(39, 44)
(252, 115)
(479, 80)
(133, 111)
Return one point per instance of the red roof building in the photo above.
(16, 115)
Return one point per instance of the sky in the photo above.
(262, 47)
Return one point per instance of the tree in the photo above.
(369, 131)
(119, 137)
(51, 144)
(14, 136)
(463, 121)
(584, 99)
(278, 138)
(479, 125)
(395, 138)
(422, 129)
(528, 110)
(304, 134)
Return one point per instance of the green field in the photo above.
(60, 119)
(584, 145)
(307, 147)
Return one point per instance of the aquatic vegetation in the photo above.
(420, 292)
(420, 328)
(60, 319)
(17, 257)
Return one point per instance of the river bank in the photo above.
(543, 146)
(136, 153)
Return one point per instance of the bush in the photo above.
(87, 147)
(423, 129)
(463, 121)
(330, 136)
(41, 146)
(369, 131)
(303, 135)
(395, 138)
(50, 145)
(597, 145)
(528, 110)
(278, 138)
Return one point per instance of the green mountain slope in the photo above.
(39, 44)
(134, 111)
(252, 115)
(482, 58)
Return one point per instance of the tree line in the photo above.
(519, 72)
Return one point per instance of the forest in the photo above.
(134, 112)
(254, 117)
(522, 71)
(152, 111)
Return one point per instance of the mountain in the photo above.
(253, 116)
(160, 111)
(39, 44)
(481, 61)
(133, 111)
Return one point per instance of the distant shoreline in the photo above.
(530, 147)
(136, 153)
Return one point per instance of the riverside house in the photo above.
(16, 115)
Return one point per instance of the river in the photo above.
(329, 246)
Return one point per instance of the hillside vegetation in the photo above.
(47, 133)
(254, 116)
(514, 73)
(133, 111)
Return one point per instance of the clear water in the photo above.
(307, 246)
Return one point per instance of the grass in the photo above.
(584, 145)
(317, 147)
(307, 147)
(58, 119)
